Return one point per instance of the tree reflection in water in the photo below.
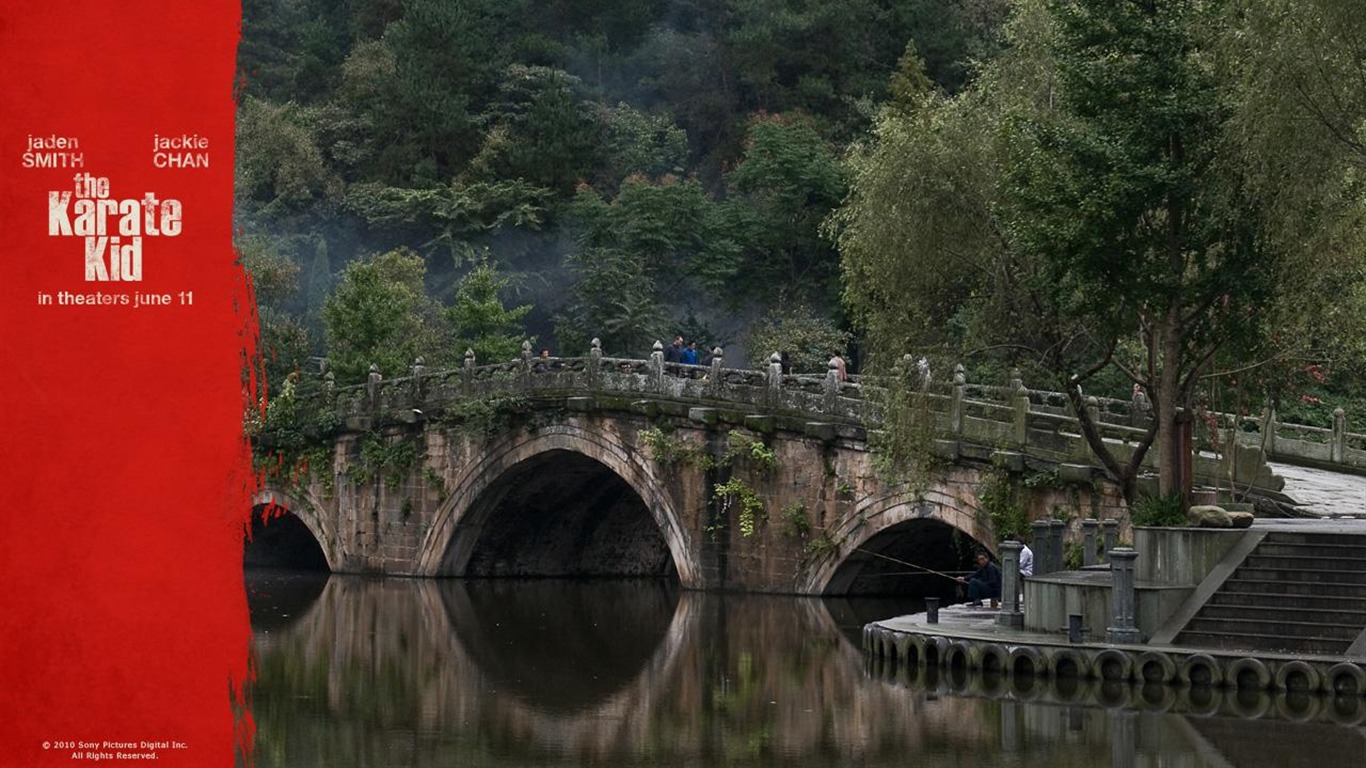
(390, 672)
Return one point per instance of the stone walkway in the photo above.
(1322, 493)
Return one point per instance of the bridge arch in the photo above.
(449, 546)
(306, 512)
(936, 531)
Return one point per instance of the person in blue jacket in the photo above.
(986, 582)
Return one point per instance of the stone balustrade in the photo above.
(1013, 417)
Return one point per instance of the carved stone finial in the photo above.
(775, 358)
(374, 368)
(833, 365)
(659, 346)
(469, 354)
(420, 360)
(526, 345)
(596, 343)
(716, 352)
(960, 375)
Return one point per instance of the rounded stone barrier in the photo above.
(1200, 669)
(1249, 674)
(907, 651)
(1069, 663)
(991, 658)
(933, 651)
(1155, 667)
(1026, 660)
(1113, 664)
(958, 656)
(1296, 675)
(1346, 678)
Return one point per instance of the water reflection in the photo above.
(389, 672)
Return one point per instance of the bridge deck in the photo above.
(1322, 493)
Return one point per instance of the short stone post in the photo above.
(714, 377)
(1123, 628)
(774, 379)
(931, 610)
(1109, 531)
(1019, 401)
(372, 386)
(832, 386)
(656, 366)
(960, 385)
(467, 376)
(1089, 528)
(330, 388)
(1057, 533)
(1043, 551)
(1010, 614)
(418, 385)
(595, 364)
(1337, 450)
(1269, 428)
(1139, 408)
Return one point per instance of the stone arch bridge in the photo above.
(721, 478)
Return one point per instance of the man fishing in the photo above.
(986, 582)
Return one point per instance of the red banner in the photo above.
(123, 320)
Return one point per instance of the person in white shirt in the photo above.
(1026, 560)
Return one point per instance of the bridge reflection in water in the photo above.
(357, 671)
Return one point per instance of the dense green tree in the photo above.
(808, 339)
(380, 314)
(1078, 198)
(614, 299)
(481, 322)
(790, 178)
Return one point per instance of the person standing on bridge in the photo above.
(986, 582)
(674, 352)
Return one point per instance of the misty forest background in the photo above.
(419, 177)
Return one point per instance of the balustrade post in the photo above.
(960, 385)
(656, 367)
(1109, 531)
(1010, 615)
(526, 364)
(1269, 427)
(1138, 409)
(372, 386)
(330, 388)
(1056, 537)
(417, 385)
(1089, 527)
(1123, 628)
(1043, 550)
(467, 374)
(832, 386)
(1020, 404)
(595, 364)
(714, 378)
(774, 379)
(1337, 451)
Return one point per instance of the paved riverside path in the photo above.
(1322, 493)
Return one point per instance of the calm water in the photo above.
(399, 672)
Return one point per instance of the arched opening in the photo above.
(562, 514)
(913, 558)
(280, 540)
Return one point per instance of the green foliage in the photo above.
(1004, 499)
(735, 495)
(381, 314)
(666, 449)
(809, 339)
(1168, 511)
(485, 417)
(384, 458)
(278, 164)
(749, 452)
(795, 521)
(480, 320)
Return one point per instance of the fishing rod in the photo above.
(903, 562)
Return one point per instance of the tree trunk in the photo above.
(1167, 401)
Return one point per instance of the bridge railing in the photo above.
(1010, 415)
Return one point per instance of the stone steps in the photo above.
(1295, 593)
